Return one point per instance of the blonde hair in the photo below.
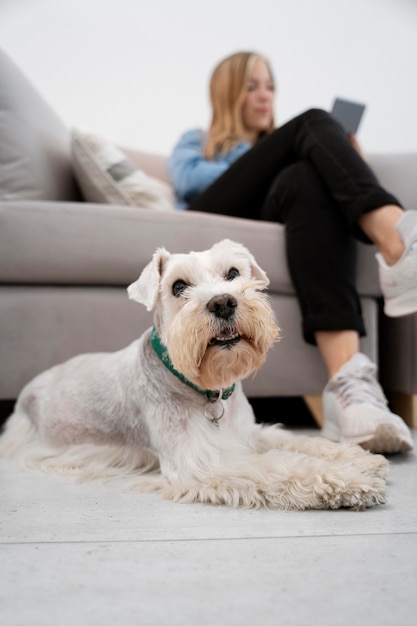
(227, 93)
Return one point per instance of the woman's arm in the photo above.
(190, 171)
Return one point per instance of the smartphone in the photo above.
(348, 113)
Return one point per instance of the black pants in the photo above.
(307, 176)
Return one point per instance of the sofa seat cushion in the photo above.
(96, 244)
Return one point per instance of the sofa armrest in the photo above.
(397, 173)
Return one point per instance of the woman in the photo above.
(307, 175)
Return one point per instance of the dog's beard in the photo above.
(214, 353)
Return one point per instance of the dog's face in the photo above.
(210, 312)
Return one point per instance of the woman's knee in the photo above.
(319, 118)
(317, 115)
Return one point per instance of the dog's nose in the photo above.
(222, 306)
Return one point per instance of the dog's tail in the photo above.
(19, 433)
(22, 443)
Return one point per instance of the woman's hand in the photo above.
(355, 143)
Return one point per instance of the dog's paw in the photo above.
(373, 464)
(357, 494)
(366, 495)
(368, 463)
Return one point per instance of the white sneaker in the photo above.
(355, 410)
(399, 281)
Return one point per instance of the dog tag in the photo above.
(214, 412)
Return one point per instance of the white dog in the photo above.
(169, 410)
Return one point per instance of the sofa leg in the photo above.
(405, 405)
(315, 406)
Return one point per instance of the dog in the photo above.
(168, 412)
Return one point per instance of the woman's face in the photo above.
(257, 110)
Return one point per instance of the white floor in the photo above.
(90, 554)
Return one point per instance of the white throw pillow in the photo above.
(106, 175)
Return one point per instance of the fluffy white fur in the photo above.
(126, 415)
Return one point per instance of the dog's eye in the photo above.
(178, 287)
(232, 274)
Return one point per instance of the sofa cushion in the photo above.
(90, 244)
(35, 161)
(105, 174)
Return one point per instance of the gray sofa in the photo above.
(65, 263)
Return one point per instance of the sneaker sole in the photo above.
(385, 440)
(405, 304)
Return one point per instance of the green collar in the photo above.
(162, 352)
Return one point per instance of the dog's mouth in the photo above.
(225, 339)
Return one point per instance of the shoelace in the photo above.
(359, 389)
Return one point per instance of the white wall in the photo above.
(136, 71)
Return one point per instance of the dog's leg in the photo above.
(209, 465)
(282, 480)
(23, 443)
(272, 437)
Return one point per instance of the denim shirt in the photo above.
(189, 170)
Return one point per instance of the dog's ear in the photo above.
(258, 272)
(146, 288)
(240, 250)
